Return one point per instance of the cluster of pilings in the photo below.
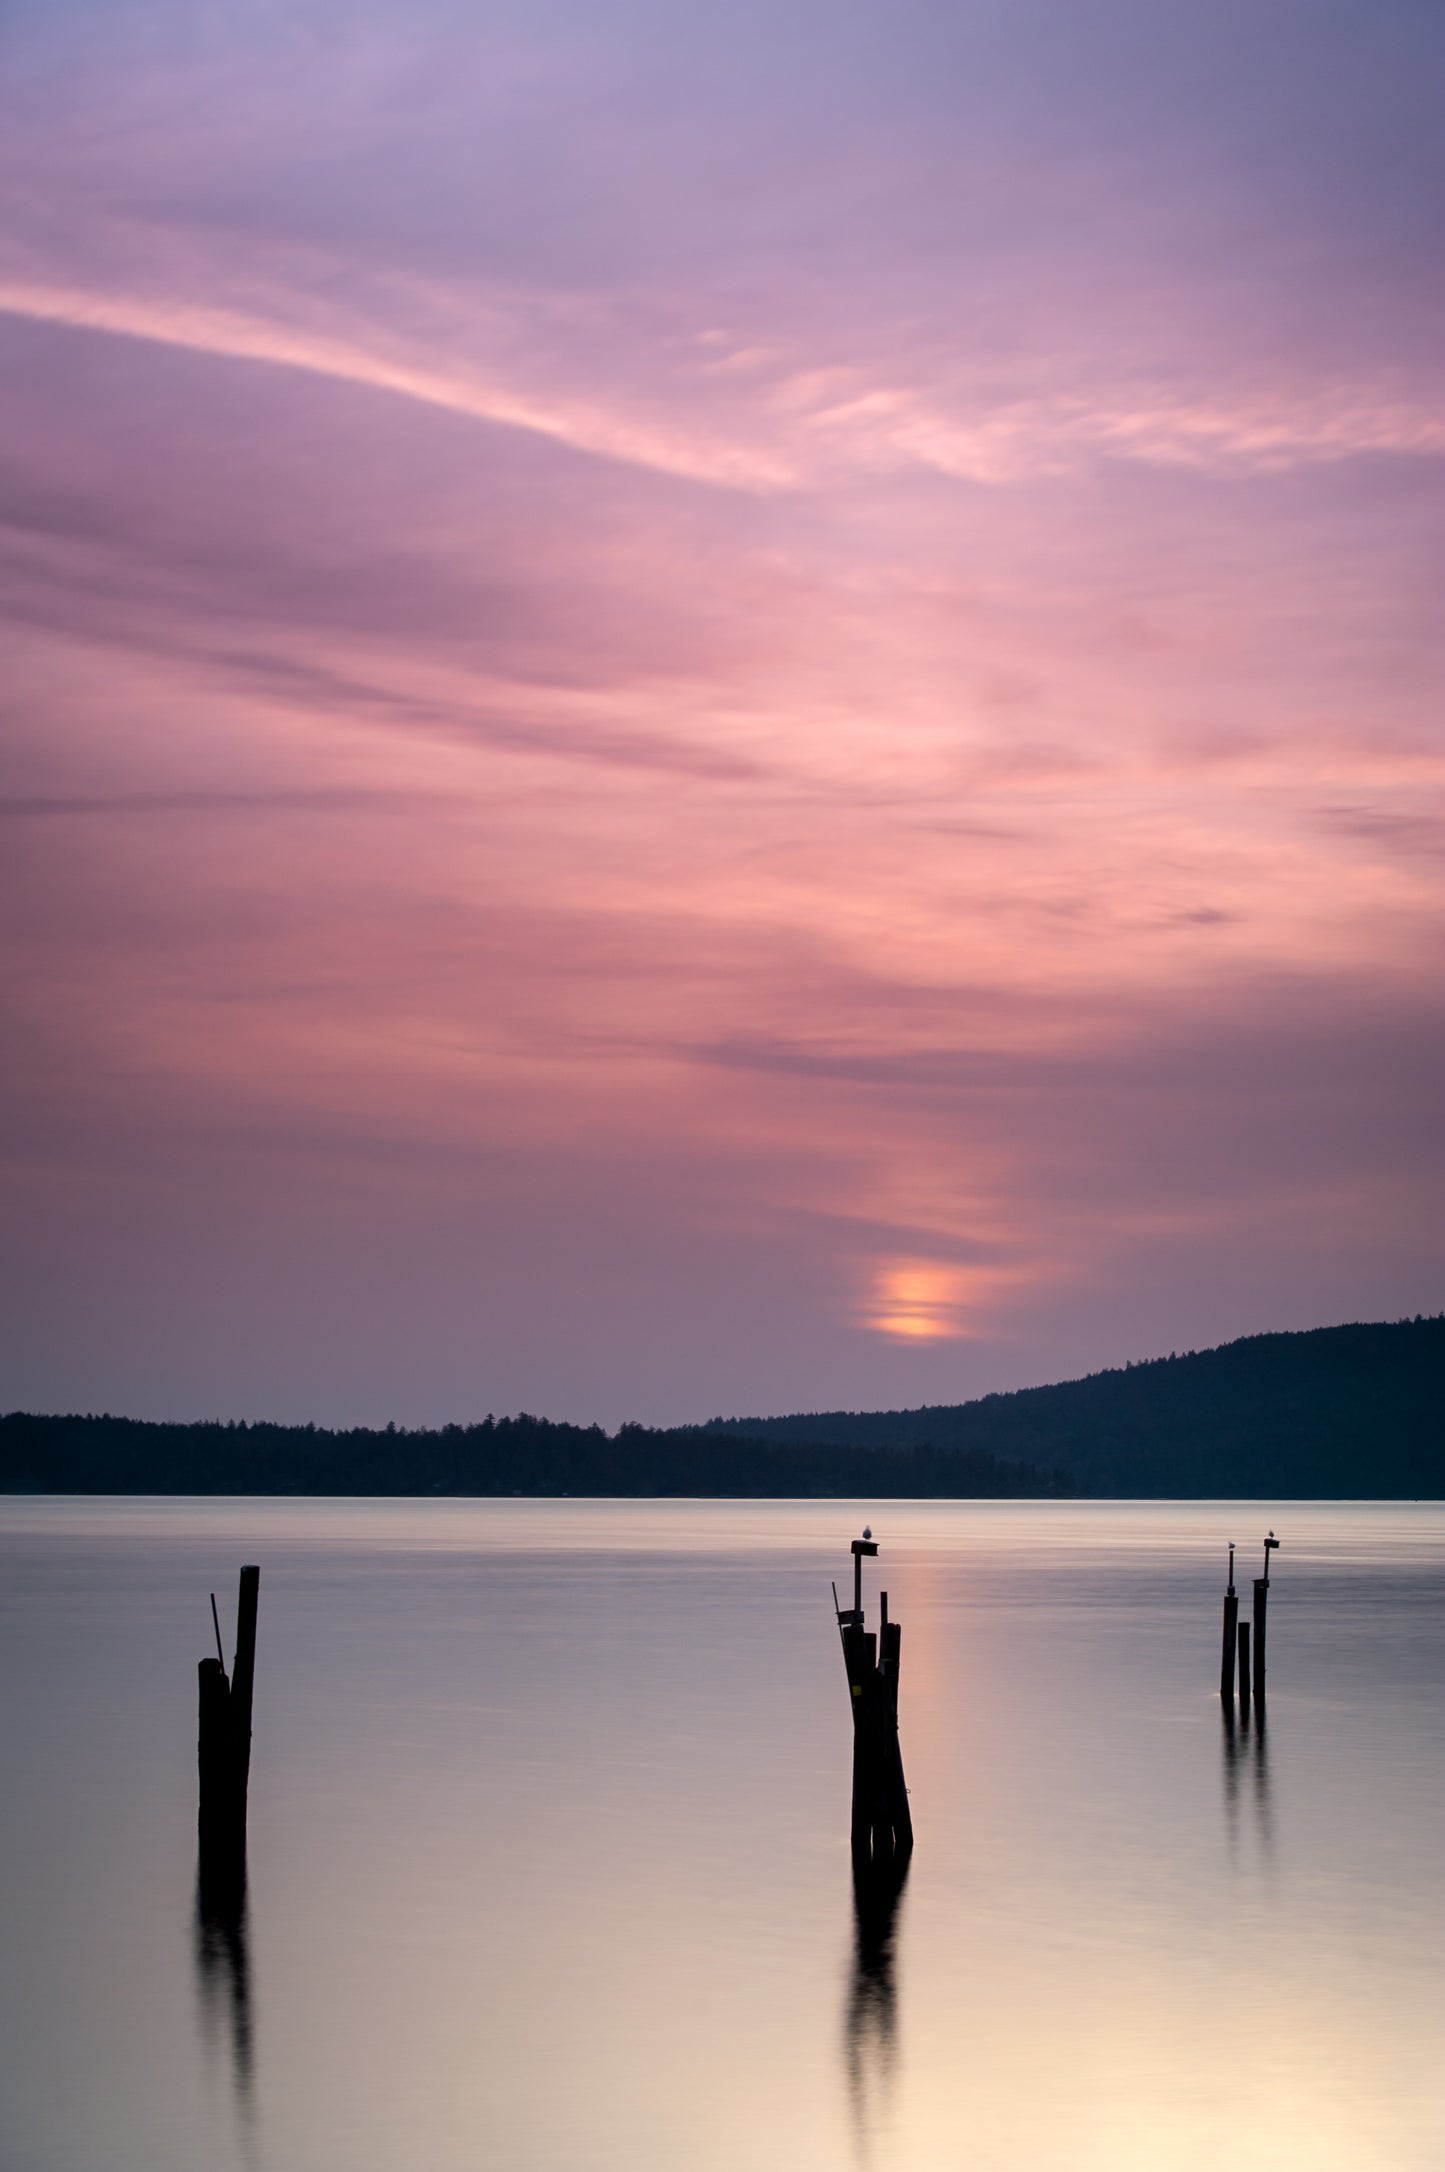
(881, 1826)
(1240, 1653)
(224, 1746)
(882, 1829)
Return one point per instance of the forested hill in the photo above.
(1339, 1412)
(522, 1455)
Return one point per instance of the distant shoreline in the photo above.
(1341, 1413)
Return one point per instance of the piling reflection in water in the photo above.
(871, 2026)
(1231, 1768)
(1261, 1779)
(1246, 1749)
(223, 1983)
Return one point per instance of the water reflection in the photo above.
(1231, 1773)
(1264, 1816)
(223, 1984)
(1074, 1843)
(1246, 1751)
(871, 2025)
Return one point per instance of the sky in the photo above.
(713, 710)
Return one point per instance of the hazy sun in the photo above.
(920, 1302)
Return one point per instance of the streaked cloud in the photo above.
(205, 329)
(797, 428)
(712, 713)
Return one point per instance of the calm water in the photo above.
(548, 1862)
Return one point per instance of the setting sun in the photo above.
(924, 1302)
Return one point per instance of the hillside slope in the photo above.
(1342, 1412)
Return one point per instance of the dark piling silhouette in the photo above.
(224, 1754)
(1231, 1636)
(1261, 1615)
(882, 1828)
(1245, 1639)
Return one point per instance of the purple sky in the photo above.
(714, 710)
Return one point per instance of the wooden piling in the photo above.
(862, 1678)
(881, 1827)
(224, 1746)
(213, 1757)
(1244, 1670)
(1231, 1635)
(1229, 1647)
(243, 1677)
(895, 1788)
(1261, 1612)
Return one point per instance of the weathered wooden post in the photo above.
(224, 1746)
(1261, 1610)
(213, 1755)
(881, 1828)
(1231, 1638)
(243, 1679)
(1244, 1670)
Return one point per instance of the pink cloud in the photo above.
(623, 791)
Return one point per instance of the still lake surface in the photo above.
(548, 1859)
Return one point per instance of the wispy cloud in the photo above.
(689, 730)
(217, 330)
(618, 384)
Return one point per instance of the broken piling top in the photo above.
(224, 1744)
(861, 1546)
(882, 1828)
